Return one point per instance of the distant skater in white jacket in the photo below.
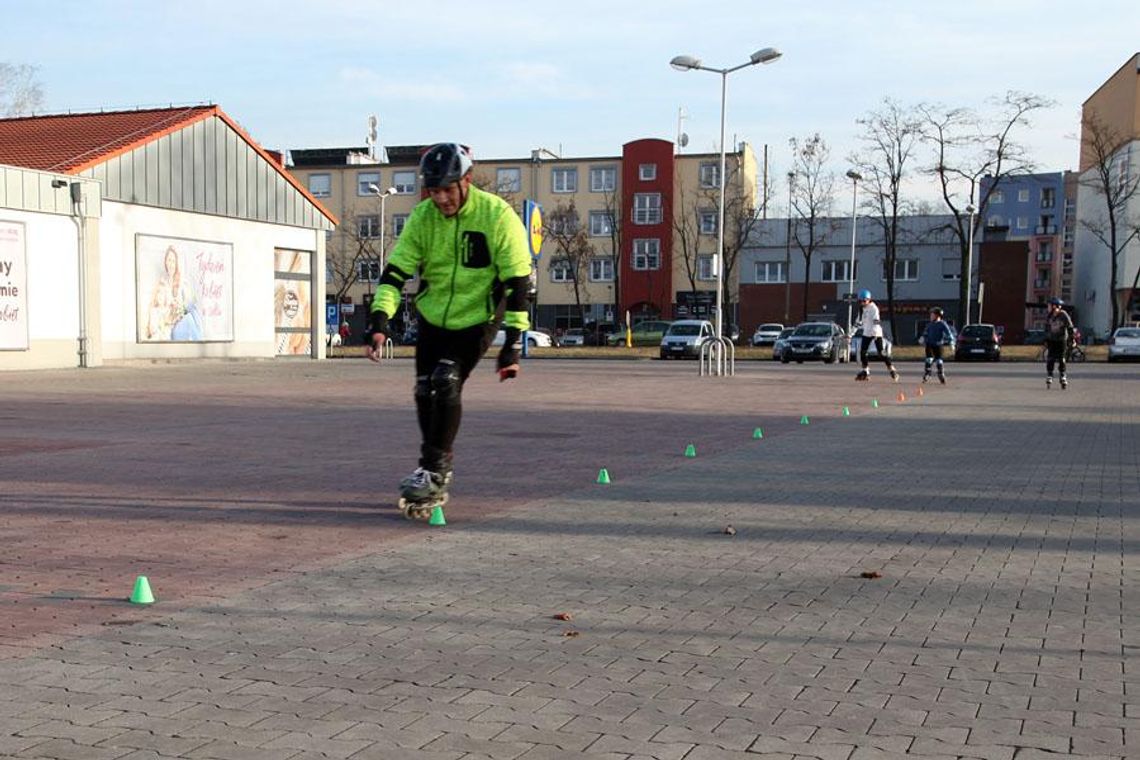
(872, 333)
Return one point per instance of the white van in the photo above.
(685, 338)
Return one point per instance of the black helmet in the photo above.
(443, 164)
(936, 311)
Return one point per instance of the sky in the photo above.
(576, 78)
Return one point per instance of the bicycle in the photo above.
(1073, 354)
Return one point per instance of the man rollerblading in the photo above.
(872, 334)
(936, 335)
(1059, 339)
(469, 249)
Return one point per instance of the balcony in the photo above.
(1045, 229)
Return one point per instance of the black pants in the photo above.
(444, 361)
(933, 356)
(1056, 351)
(866, 346)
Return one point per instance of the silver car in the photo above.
(817, 341)
(1124, 344)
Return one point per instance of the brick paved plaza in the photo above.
(299, 617)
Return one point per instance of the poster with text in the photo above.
(185, 290)
(13, 288)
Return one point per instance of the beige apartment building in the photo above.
(634, 232)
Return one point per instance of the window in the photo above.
(646, 172)
(398, 222)
(906, 270)
(601, 223)
(508, 180)
(404, 182)
(836, 271)
(706, 269)
(1022, 196)
(995, 220)
(997, 197)
(562, 224)
(365, 181)
(710, 174)
(601, 270)
(368, 270)
(646, 254)
(560, 271)
(706, 221)
(1045, 251)
(1048, 197)
(564, 180)
(1022, 222)
(368, 226)
(647, 208)
(320, 185)
(770, 271)
(603, 179)
(952, 269)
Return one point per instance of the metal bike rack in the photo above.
(386, 351)
(717, 357)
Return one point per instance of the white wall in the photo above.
(51, 245)
(253, 246)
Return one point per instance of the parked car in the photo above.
(1124, 344)
(534, 339)
(647, 332)
(767, 333)
(685, 338)
(574, 336)
(596, 332)
(980, 342)
(1034, 337)
(872, 350)
(781, 343)
(811, 341)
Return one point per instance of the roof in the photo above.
(74, 142)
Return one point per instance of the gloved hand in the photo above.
(509, 355)
(375, 336)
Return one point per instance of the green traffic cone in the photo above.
(603, 476)
(804, 420)
(874, 403)
(846, 412)
(758, 433)
(437, 517)
(690, 450)
(142, 593)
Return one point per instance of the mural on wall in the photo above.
(293, 313)
(184, 290)
(13, 287)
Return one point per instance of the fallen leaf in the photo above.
(563, 616)
(729, 530)
(872, 574)
(570, 634)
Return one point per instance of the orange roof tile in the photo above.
(72, 143)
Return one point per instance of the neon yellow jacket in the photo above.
(464, 261)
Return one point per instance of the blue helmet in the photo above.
(864, 295)
(1056, 302)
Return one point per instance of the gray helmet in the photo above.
(443, 164)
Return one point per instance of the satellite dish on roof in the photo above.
(683, 139)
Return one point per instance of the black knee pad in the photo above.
(446, 382)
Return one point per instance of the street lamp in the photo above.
(788, 253)
(855, 178)
(964, 314)
(383, 196)
(688, 63)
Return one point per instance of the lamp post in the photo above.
(964, 313)
(855, 177)
(788, 254)
(688, 63)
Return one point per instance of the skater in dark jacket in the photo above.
(1059, 339)
(936, 335)
(469, 249)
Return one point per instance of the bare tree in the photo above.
(572, 250)
(687, 233)
(355, 248)
(611, 205)
(890, 136)
(812, 194)
(740, 217)
(20, 92)
(967, 148)
(1108, 177)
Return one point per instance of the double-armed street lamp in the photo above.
(688, 63)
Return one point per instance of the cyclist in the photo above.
(1059, 339)
(469, 249)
